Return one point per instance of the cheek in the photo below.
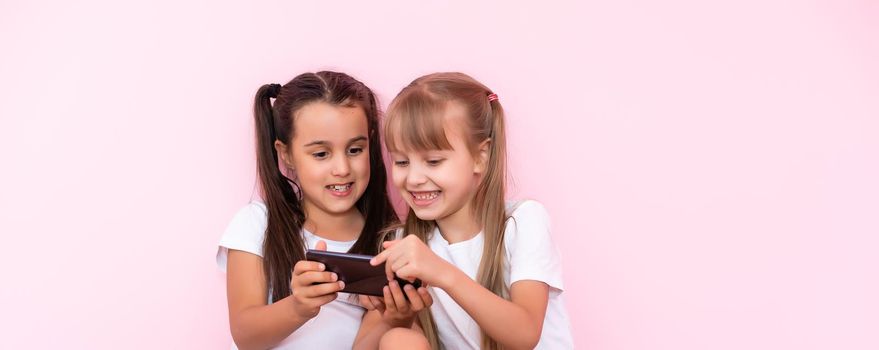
(398, 176)
(459, 173)
(361, 165)
(309, 171)
(307, 177)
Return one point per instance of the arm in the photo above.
(256, 325)
(515, 323)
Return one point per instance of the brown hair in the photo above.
(284, 245)
(415, 119)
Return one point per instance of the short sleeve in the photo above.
(530, 248)
(245, 232)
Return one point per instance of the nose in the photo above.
(341, 167)
(415, 176)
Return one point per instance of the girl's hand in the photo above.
(312, 286)
(409, 258)
(396, 311)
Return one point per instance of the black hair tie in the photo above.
(274, 90)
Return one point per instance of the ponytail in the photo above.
(283, 246)
(492, 212)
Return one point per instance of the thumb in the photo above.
(321, 245)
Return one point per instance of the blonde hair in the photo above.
(415, 119)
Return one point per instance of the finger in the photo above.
(311, 277)
(378, 303)
(380, 258)
(389, 273)
(414, 298)
(399, 300)
(425, 296)
(323, 300)
(305, 265)
(398, 264)
(389, 299)
(365, 302)
(388, 244)
(407, 272)
(321, 245)
(322, 289)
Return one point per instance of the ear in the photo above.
(482, 155)
(282, 149)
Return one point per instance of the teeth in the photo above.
(339, 188)
(426, 196)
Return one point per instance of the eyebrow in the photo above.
(323, 143)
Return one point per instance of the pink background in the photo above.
(711, 169)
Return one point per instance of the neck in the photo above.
(460, 226)
(342, 227)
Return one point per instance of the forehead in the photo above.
(323, 121)
(455, 119)
(445, 129)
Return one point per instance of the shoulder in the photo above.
(527, 225)
(247, 229)
(526, 211)
(529, 246)
(252, 211)
(525, 206)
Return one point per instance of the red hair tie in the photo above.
(492, 97)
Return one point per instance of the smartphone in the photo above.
(354, 269)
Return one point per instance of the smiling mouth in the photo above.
(425, 196)
(340, 187)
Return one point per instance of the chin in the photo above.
(425, 214)
(341, 208)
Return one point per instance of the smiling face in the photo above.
(439, 182)
(329, 152)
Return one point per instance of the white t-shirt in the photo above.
(337, 323)
(530, 255)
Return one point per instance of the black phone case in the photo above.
(354, 269)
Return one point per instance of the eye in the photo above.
(320, 155)
(401, 163)
(434, 162)
(355, 151)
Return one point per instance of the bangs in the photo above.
(415, 123)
